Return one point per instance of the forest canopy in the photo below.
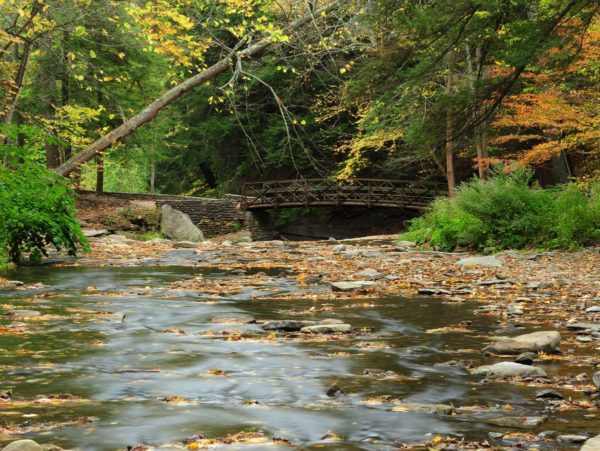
(393, 89)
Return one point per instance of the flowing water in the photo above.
(126, 367)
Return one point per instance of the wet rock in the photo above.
(433, 291)
(592, 444)
(351, 286)
(596, 379)
(327, 329)
(456, 299)
(185, 244)
(576, 325)
(242, 239)
(93, 233)
(339, 248)
(509, 369)
(489, 260)
(584, 339)
(518, 422)
(438, 409)
(6, 394)
(158, 241)
(118, 317)
(51, 447)
(335, 390)
(23, 313)
(548, 394)
(23, 445)
(331, 321)
(545, 341)
(368, 273)
(178, 225)
(287, 325)
(406, 244)
(514, 309)
(594, 309)
(526, 358)
(15, 283)
(572, 438)
(537, 285)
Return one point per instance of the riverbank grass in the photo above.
(505, 212)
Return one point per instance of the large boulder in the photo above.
(592, 444)
(23, 445)
(509, 369)
(178, 226)
(545, 341)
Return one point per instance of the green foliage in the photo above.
(505, 213)
(144, 236)
(37, 210)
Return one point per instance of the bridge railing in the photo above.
(326, 192)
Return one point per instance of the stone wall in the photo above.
(213, 216)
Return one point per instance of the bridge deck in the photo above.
(406, 194)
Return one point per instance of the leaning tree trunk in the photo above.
(450, 136)
(150, 112)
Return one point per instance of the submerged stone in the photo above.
(518, 422)
(438, 409)
(335, 390)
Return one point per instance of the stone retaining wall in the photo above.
(213, 216)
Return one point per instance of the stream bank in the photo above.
(153, 345)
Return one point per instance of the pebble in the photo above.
(596, 379)
(594, 309)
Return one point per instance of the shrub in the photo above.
(506, 213)
(136, 219)
(37, 210)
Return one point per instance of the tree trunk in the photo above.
(481, 141)
(152, 176)
(15, 91)
(100, 173)
(150, 112)
(450, 135)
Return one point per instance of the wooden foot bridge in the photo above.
(414, 195)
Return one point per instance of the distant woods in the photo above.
(195, 97)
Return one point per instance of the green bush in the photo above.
(506, 213)
(37, 210)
